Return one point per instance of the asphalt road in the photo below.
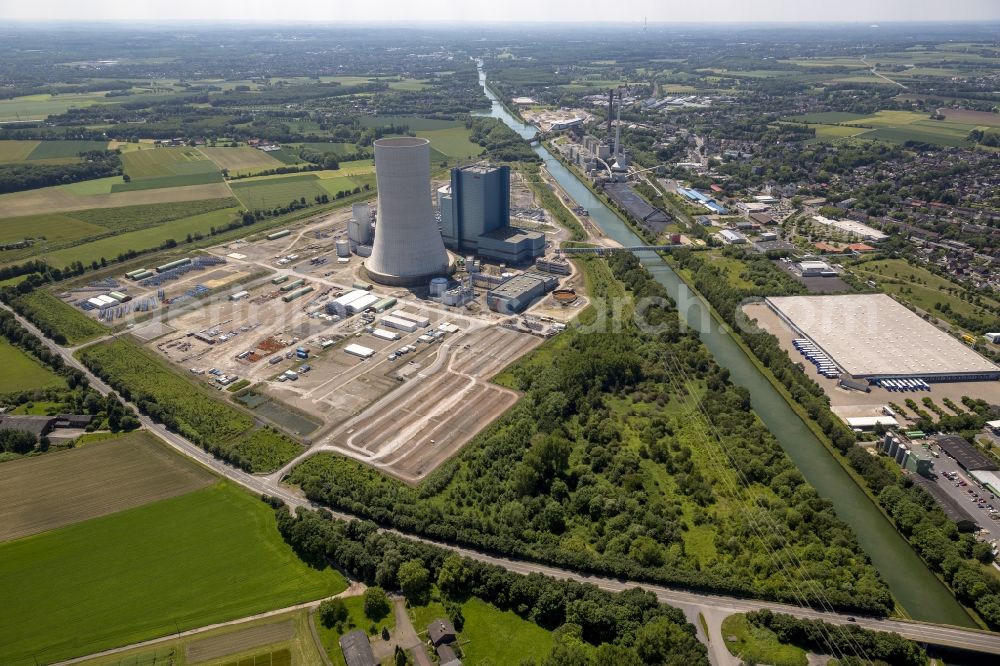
(970, 639)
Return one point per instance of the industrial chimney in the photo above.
(611, 108)
(408, 249)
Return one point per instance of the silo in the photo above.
(343, 248)
(439, 285)
(408, 249)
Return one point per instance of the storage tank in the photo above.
(343, 248)
(408, 249)
(439, 285)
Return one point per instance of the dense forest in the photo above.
(630, 454)
(957, 557)
(594, 628)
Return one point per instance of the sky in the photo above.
(655, 11)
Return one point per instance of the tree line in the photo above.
(595, 627)
(29, 176)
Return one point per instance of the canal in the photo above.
(916, 589)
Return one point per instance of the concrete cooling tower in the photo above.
(408, 249)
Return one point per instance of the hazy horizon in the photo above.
(555, 11)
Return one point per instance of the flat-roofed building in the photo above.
(872, 336)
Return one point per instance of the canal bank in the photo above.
(917, 590)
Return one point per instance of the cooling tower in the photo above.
(408, 249)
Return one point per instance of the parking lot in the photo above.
(966, 491)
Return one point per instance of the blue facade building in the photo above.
(475, 216)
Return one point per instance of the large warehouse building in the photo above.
(872, 336)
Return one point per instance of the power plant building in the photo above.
(520, 291)
(407, 249)
(475, 216)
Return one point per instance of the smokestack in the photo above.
(611, 107)
(618, 130)
(408, 249)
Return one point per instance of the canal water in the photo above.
(916, 589)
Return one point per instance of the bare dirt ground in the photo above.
(415, 429)
(846, 403)
(60, 488)
(238, 641)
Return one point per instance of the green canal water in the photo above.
(916, 589)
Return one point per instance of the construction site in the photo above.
(293, 325)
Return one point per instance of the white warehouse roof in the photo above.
(873, 335)
(871, 421)
(358, 350)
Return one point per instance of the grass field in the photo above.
(331, 147)
(64, 198)
(189, 561)
(756, 645)
(54, 149)
(21, 372)
(240, 160)
(241, 641)
(37, 107)
(167, 167)
(490, 635)
(102, 477)
(260, 194)
(452, 142)
(889, 126)
(271, 191)
(415, 123)
(76, 326)
(54, 227)
(142, 239)
(16, 151)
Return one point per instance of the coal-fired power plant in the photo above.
(408, 249)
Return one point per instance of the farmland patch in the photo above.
(46, 492)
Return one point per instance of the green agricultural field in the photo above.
(164, 162)
(55, 227)
(408, 84)
(839, 132)
(205, 557)
(888, 119)
(140, 227)
(50, 313)
(143, 239)
(80, 196)
(87, 188)
(188, 407)
(826, 118)
(490, 635)
(46, 150)
(415, 123)
(243, 159)
(37, 107)
(942, 136)
(286, 635)
(274, 192)
(21, 372)
(16, 151)
(453, 142)
(331, 147)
